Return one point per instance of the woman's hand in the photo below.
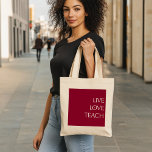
(37, 140)
(88, 47)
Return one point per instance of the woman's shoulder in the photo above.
(99, 42)
(96, 37)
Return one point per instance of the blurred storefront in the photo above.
(14, 28)
(128, 38)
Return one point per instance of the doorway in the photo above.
(24, 41)
(18, 43)
(14, 34)
(124, 49)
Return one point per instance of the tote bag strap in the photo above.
(74, 72)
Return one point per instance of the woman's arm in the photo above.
(90, 66)
(46, 113)
(88, 48)
(38, 138)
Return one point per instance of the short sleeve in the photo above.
(99, 42)
(52, 90)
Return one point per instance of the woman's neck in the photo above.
(78, 32)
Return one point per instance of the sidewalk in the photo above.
(24, 87)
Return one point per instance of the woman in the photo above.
(79, 21)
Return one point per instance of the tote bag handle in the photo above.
(74, 72)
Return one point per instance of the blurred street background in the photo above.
(25, 82)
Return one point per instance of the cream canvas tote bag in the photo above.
(86, 103)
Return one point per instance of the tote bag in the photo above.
(86, 103)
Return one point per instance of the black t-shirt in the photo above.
(64, 53)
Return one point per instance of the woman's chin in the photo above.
(72, 26)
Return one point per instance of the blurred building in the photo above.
(45, 30)
(39, 26)
(32, 23)
(14, 28)
(128, 36)
(44, 27)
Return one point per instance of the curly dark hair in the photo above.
(96, 10)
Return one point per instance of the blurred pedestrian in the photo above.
(79, 22)
(38, 47)
(49, 43)
(53, 45)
